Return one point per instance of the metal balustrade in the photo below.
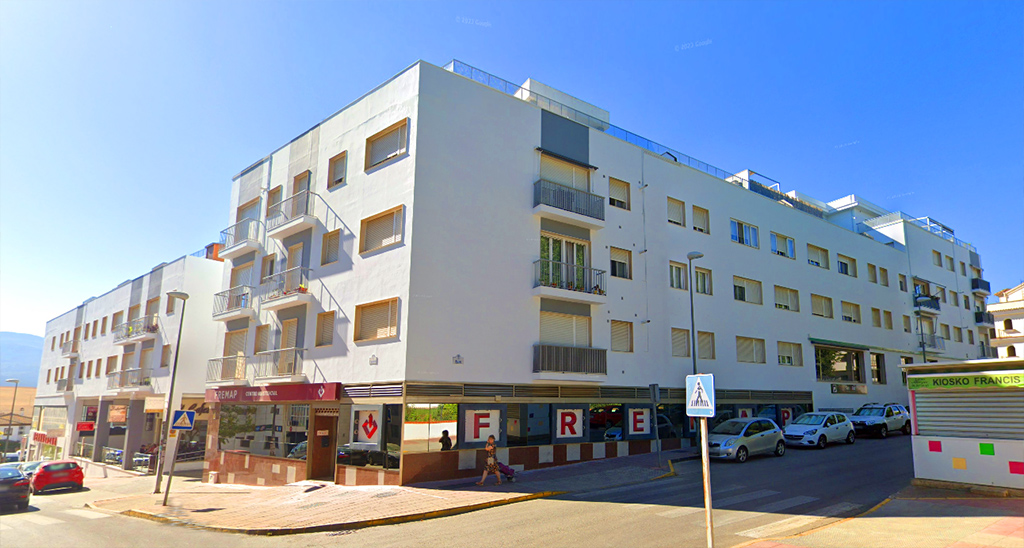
(933, 341)
(924, 301)
(139, 326)
(70, 347)
(285, 362)
(568, 198)
(237, 298)
(83, 449)
(144, 462)
(227, 368)
(988, 352)
(291, 208)
(62, 385)
(569, 359)
(984, 318)
(113, 380)
(568, 276)
(134, 378)
(246, 230)
(289, 282)
(978, 284)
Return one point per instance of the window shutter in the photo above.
(331, 246)
(241, 276)
(382, 231)
(338, 168)
(820, 306)
(378, 321)
(325, 329)
(759, 351)
(622, 341)
(705, 345)
(557, 329)
(700, 218)
(681, 343)
(619, 190)
(390, 144)
(582, 331)
(620, 255)
(754, 291)
(262, 338)
(676, 212)
(566, 174)
(235, 343)
(744, 349)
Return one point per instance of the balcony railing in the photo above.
(924, 301)
(227, 368)
(136, 327)
(62, 385)
(278, 363)
(988, 352)
(569, 359)
(290, 282)
(70, 347)
(1008, 333)
(568, 276)
(114, 380)
(293, 207)
(134, 378)
(246, 230)
(984, 318)
(568, 199)
(934, 342)
(236, 298)
(978, 284)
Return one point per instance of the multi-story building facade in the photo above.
(455, 252)
(106, 365)
(1008, 317)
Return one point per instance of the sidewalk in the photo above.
(920, 518)
(315, 506)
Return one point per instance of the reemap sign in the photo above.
(1007, 379)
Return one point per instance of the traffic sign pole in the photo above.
(700, 402)
(708, 525)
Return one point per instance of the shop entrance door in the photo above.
(323, 449)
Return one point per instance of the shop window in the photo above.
(267, 430)
(837, 364)
(425, 426)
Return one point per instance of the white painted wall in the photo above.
(974, 467)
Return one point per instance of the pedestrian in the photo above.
(446, 442)
(492, 461)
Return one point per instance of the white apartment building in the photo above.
(501, 259)
(106, 365)
(1008, 317)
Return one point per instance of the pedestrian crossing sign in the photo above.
(183, 420)
(700, 395)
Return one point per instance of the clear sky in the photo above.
(122, 123)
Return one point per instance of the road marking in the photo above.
(773, 507)
(727, 501)
(778, 527)
(39, 520)
(89, 514)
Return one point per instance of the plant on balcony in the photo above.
(153, 328)
(301, 289)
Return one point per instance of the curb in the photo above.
(984, 490)
(275, 531)
(817, 529)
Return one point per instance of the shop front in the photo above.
(49, 426)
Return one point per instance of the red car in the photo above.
(605, 416)
(56, 474)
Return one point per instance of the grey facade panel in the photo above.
(293, 313)
(563, 307)
(565, 229)
(306, 239)
(564, 137)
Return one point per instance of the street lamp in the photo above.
(10, 420)
(162, 451)
(690, 257)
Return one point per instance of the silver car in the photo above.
(740, 438)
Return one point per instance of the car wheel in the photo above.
(850, 437)
(822, 442)
(906, 428)
(884, 432)
(741, 454)
(77, 487)
(780, 449)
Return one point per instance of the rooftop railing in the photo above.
(227, 368)
(278, 363)
(926, 223)
(136, 327)
(568, 276)
(567, 198)
(978, 284)
(569, 359)
(292, 281)
(246, 230)
(292, 207)
(236, 298)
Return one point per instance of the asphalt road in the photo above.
(765, 497)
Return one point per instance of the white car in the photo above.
(818, 429)
(881, 418)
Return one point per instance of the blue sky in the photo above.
(122, 123)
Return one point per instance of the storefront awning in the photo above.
(840, 344)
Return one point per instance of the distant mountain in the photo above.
(20, 354)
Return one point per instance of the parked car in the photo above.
(14, 488)
(299, 451)
(29, 468)
(603, 417)
(881, 418)
(740, 438)
(666, 430)
(818, 429)
(57, 474)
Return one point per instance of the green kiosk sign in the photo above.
(1008, 379)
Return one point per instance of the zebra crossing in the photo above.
(20, 520)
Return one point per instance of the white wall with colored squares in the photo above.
(970, 460)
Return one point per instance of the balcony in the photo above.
(284, 289)
(291, 215)
(984, 318)
(568, 282)
(128, 379)
(568, 205)
(980, 286)
(62, 385)
(139, 329)
(241, 238)
(1008, 333)
(70, 349)
(114, 380)
(284, 365)
(234, 303)
(987, 352)
(933, 342)
(226, 371)
(548, 358)
(926, 304)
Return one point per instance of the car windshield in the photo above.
(7, 472)
(730, 428)
(870, 412)
(809, 419)
(31, 466)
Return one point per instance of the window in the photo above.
(85, 332)
(325, 329)
(618, 194)
(921, 288)
(705, 345)
(749, 350)
(958, 334)
(887, 316)
(676, 212)
(564, 329)
(564, 173)
(905, 360)
(96, 325)
(81, 370)
(103, 325)
(745, 234)
(970, 337)
(944, 330)
(787, 299)
(680, 343)
(377, 320)
(116, 320)
(783, 246)
(790, 354)
(954, 298)
(967, 303)
(838, 364)
(330, 247)
(563, 263)
(903, 283)
(622, 336)
(336, 170)
(745, 290)
(817, 256)
(170, 306)
(48, 376)
(165, 356)
(702, 281)
(847, 265)
(677, 275)
(949, 263)
(821, 306)
(386, 145)
(941, 292)
(267, 267)
(876, 317)
(936, 258)
(877, 368)
(701, 220)
(262, 338)
(963, 269)
(872, 274)
(621, 263)
(883, 277)
(53, 342)
(381, 230)
(273, 198)
(111, 364)
(851, 312)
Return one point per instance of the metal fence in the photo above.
(113, 455)
(278, 363)
(236, 298)
(289, 282)
(978, 284)
(246, 230)
(933, 341)
(138, 326)
(569, 359)
(113, 380)
(69, 347)
(568, 276)
(134, 377)
(567, 198)
(227, 368)
(293, 207)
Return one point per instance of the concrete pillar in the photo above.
(102, 430)
(133, 432)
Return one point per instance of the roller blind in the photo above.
(993, 414)
(619, 190)
(676, 212)
(382, 231)
(325, 329)
(705, 345)
(387, 145)
(331, 245)
(681, 343)
(851, 311)
(622, 336)
(700, 219)
(751, 289)
(876, 317)
(557, 329)
(378, 321)
(620, 255)
(564, 173)
(790, 354)
(821, 306)
(787, 299)
(338, 168)
(750, 350)
(234, 342)
(817, 256)
(262, 338)
(241, 275)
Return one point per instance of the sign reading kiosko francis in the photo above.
(283, 392)
(993, 379)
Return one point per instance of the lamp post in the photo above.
(690, 257)
(162, 451)
(10, 420)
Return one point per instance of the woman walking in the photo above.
(492, 461)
